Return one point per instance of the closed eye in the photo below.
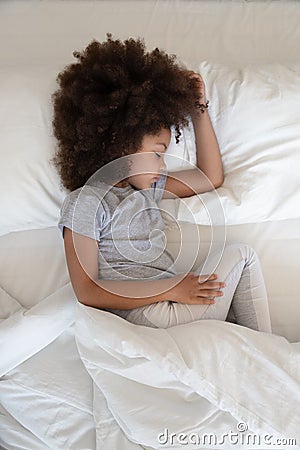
(158, 154)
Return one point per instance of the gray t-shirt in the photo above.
(128, 226)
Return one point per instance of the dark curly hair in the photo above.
(109, 99)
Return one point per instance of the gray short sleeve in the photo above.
(84, 212)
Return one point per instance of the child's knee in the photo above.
(223, 261)
(235, 255)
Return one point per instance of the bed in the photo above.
(73, 377)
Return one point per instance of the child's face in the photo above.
(148, 162)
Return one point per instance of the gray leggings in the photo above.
(244, 301)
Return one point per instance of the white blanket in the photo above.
(204, 377)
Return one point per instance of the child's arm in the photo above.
(208, 152)
(82, 260)
(209, 161)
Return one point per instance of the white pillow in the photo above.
(30, 186)
(255, 112)
(31, 195)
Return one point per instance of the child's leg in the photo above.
(244, 294)
(245, 291)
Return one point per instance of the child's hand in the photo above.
(193, 291)
(199, 85)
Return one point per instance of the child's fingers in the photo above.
(203, 278)
(211, 283)
(209, 293)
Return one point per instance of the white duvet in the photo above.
(206, 384)
(167, 388)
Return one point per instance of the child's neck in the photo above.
(122, 184)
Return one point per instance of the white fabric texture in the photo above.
(256, 114)
(275, 360)
(26, 107)
(31, 255)
(251, 376)
(54, 373)
(29, 331)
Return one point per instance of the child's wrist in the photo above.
(201, 105)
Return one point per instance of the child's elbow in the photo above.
(84, 293)
(217, 183)
(91, 294)
(89, 301)
(83, 301)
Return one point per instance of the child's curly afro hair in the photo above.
(109, 99)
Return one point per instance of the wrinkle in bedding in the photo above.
(239, 374)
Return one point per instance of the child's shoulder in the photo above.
(83, 209)
(88, 193)
(85, 200)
